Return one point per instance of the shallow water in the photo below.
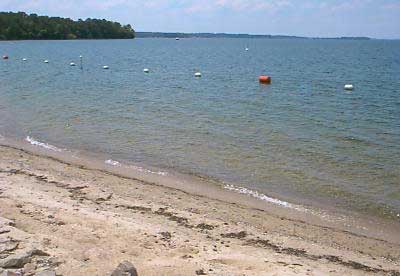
(302, 138)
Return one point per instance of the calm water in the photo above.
(302, 138)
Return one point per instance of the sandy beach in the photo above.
(75, 220)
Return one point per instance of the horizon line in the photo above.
(265, 35)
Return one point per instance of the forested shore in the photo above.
(20, 26)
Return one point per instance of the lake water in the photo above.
(302, 138)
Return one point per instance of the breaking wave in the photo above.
(41, 144)
(140, 169)
(255, 194)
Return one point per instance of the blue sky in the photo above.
(374, 18)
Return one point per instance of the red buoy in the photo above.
(265, 79)
(5, 57)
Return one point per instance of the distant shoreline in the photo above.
(21, 26)
(197, 37)
(75, 39)
(225, 35)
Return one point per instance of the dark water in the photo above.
(303, 137)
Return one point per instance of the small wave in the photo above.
(320, 213)
(148, 171)
(255, 194)
(40, 144)
(112, 163)
(140, 169)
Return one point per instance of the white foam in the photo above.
(320, 213)
(112, 163)
(140, 169)
(148, 171)
(40, 144)
(255, 194)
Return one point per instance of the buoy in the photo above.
(5, 57)
(72, 64)
(46, 61)
(348, 87)
(265, 79)
(246, 49)
(197, 74)
(177, 38)
(24, 59)
(105, 67)
(146, 70)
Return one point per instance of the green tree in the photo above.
(14, 26)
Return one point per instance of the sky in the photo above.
(325, 18)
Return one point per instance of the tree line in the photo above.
(18, 26)
(225, 35)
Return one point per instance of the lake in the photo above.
(302, 138)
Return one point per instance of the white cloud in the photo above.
(237, 5)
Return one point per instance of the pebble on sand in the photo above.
(124, 268)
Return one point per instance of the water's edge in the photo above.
(374, 227)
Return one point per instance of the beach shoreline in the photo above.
(80, 215)
(318, 212)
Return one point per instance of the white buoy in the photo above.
(197, 74)
(177, 38)
(348, 87)
(105, 67)
(146, 70)
(46, 61)
(72, 64)
(246, 49)
(24, 59)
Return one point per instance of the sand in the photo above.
(84, 221)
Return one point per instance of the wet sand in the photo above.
(85, 221)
